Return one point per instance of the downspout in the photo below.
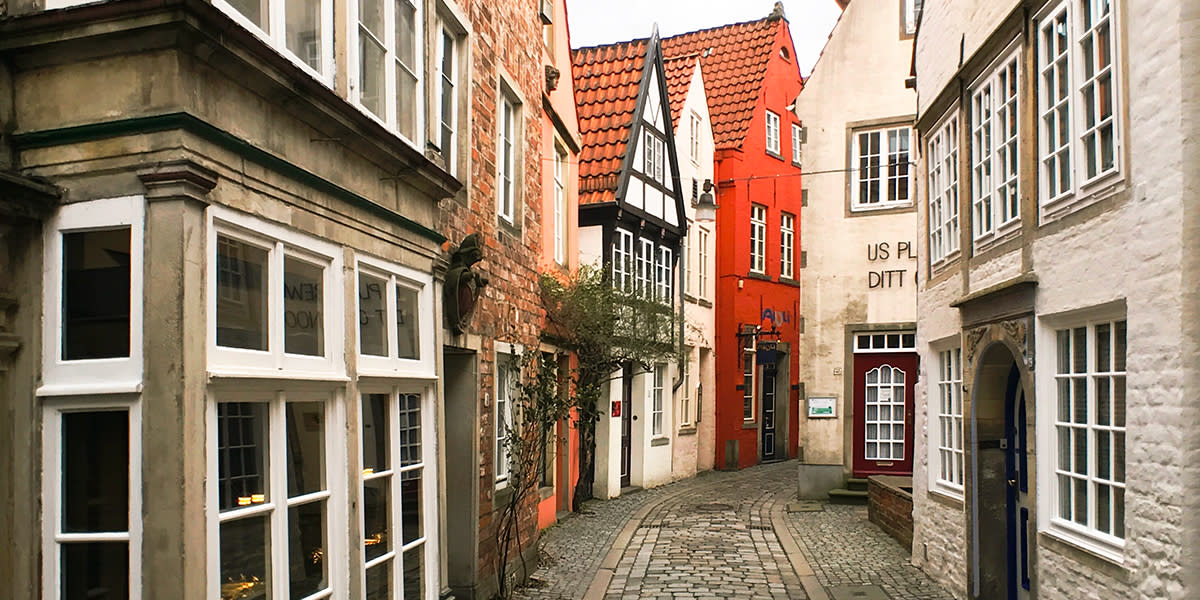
(682, 366)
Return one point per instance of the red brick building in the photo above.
(752, 80)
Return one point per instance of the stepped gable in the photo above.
(607, 81)
(733, 61)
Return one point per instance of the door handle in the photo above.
(1012, 483)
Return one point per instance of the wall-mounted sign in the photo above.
(822, 407)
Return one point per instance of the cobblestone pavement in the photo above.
(715, 537)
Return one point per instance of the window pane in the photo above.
(306, 447)
(1103, 516)
(95, 471)
(303, 318)
(375, 432)
(245, 560)
(376, 516)
(414, 573)
(408, 338)
(95, 570)
(1103, 454)
(95, 294)
(372, 315)
(379, 582)
(242, 453)
(1081, 501)
(304, 31)
(1103, 401)
(1103, 347)
(242, 275)
(406, 102)
(411, 506)
(371, 71)
(306, 549)
(410, 429)
(255, 10)
(1119, 347)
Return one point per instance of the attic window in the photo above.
(783, 53)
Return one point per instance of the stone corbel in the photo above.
(974, 336)
(178, 180)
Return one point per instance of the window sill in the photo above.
(686, 430)
(90, 389)
(695, 300)
(775, 155)
(757, 275)
(938, 266)
(749, 424)
(546, 492)
(1086, 195)
(660, 441)
(1003, 233)
(1072, 546)
(872, 209)
(789, 281)
(946, 496)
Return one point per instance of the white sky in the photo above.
(595, 22)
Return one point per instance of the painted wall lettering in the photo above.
(889, 278)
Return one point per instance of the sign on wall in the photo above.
(822, 407)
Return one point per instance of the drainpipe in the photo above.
(683, 359)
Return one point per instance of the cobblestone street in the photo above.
(724, 535)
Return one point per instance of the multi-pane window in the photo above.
(772, 132)
(685, 399)
(695, 129)
(645, 268)
(560, 206)
(758, 238)
(943, 190)
(884, 342)
(1089, 426)
(885, 413)
(702, 263)
(748, 383)
(787, 236)
(396, 509)
(273, 494)
(389, 63)
(994, 198)
(912, 13)
(655, 156)
(1078, 132)
(797, 136)
(663, 277)
(93, 502)
(659, 376)
(389, 317)
(505, 374)
(270, 297)
(883, 174)
(950, 420)
(506, 159)
(446, 103)
(622, 261)
(302, 31)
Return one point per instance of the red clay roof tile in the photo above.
(606, 86)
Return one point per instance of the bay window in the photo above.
(386, 78)
(942, 168)
(301, 31)
(995, 201)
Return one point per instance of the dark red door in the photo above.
(883, 413)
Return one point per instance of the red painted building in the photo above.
(752, 80)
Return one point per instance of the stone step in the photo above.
(844, 496)
(857, 484)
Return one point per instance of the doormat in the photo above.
(857, 592)
(806, 506)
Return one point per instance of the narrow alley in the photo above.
(725, 535)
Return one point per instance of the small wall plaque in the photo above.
(820, 407)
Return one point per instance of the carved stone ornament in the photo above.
(463, 284)
(973, 338)
(1018, 331)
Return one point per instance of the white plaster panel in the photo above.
(996, 270)
(591, 245)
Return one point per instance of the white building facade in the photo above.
(1057, 302)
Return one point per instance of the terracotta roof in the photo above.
(606, 92)
(734, 60)
(678, 70)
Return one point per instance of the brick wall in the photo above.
(890, 507)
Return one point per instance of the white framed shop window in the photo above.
(91, 497)
(395, 320)
(93, 271)
(274, 300)
(399, 516)
(276, 497)
(1084, 427)
(945, 424)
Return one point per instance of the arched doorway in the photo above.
(1001, 488)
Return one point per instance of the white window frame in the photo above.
(995, 149)
(758, 239)
(277, 37)
(390, 102)
(695, 128)
(655, 154)
(644, 275)
(869, 342)
(429, 478)
(702, 262)
(560, 205)
(772, 133)
(658, 376)
(52, 535)
(685, 397)
(880, 441)
(912, 11)
(623, 261)
(502, 417)
(449, 25)
(279, 243)
(277, 503)
(1048, 467)
(797, 156)
(946, 430)
(942, 176)
(664, 280)
(1069, 156)
(392, 365)
(100, 375)
(787, 237)
(508, 135)
(887, 157)
(749, 380)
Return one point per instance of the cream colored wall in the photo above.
(948, 28)
(859, 78)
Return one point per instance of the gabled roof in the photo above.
(607, 80)
(734, 61)
(679, 70)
